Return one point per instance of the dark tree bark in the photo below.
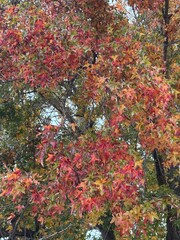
(160, 173)
(167, 178)
(24, 233)
(107, 234)
(173, 233)
(15, 2)
(106, 228)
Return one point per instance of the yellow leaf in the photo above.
(154, 238)
(73, 126)
(138, 163)
(100, 183)
(153, 216)
(9, 228)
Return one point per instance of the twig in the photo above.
(54, 234)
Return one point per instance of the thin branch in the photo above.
(106, 234)
(17, 222)
(56, 233)
(173, 42)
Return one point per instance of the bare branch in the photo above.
(56, 233)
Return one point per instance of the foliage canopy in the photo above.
(88, 109)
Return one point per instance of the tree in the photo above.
(106, 155)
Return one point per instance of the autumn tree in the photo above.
(89, 119)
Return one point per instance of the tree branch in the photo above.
(56, 233)
(160, 173)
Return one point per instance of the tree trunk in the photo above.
(169, 178)
(172, 231)
(106, 228)
(107, 234)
